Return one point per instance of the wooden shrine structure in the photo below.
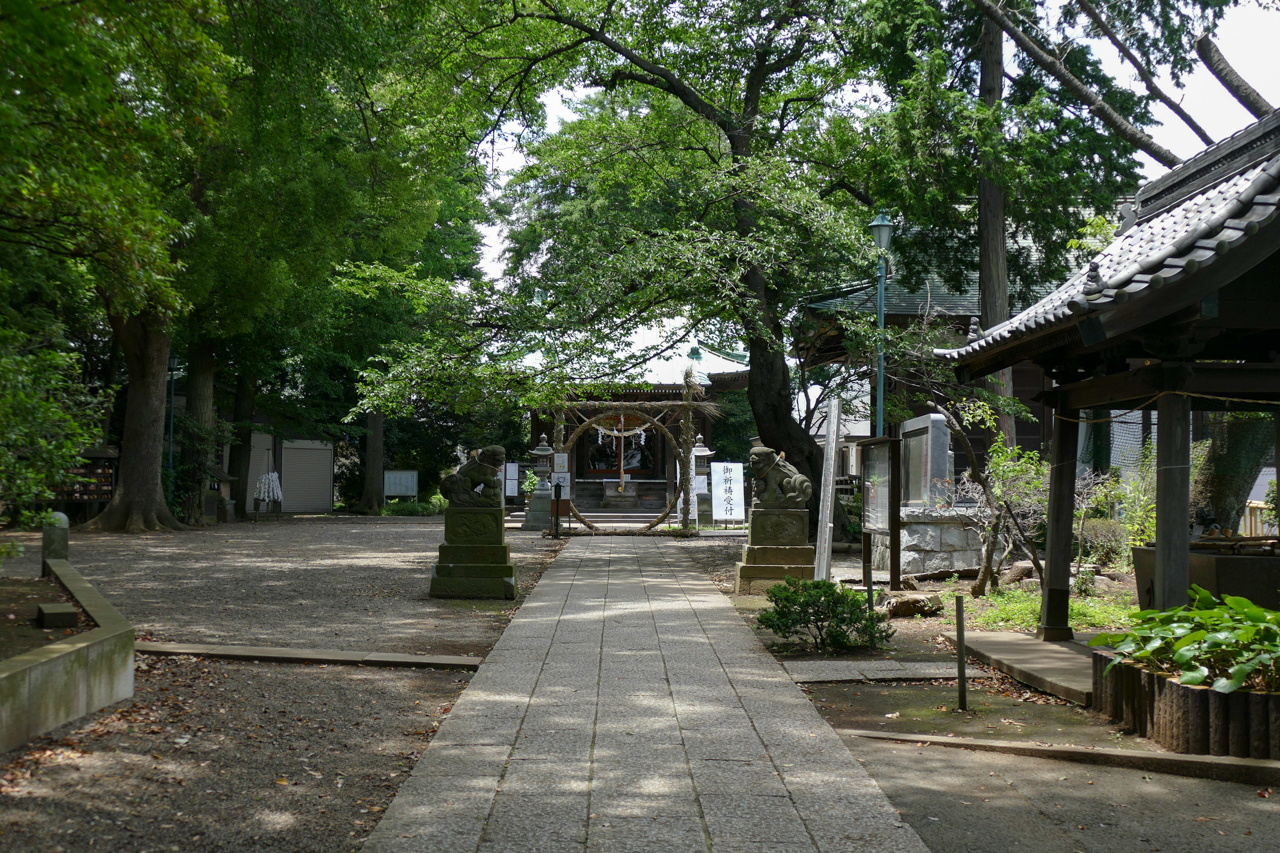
(1181, 311)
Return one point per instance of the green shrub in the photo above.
(1234, 642)
(434, 505)
(1271, 512)
(825, 614)
(1106, 541)
(1084, 583)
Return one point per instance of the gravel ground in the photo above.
(222, 755)
(345, 583)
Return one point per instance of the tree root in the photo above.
(127, 517)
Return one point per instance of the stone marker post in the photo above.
(55, 544)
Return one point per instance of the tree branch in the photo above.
(1100, 108)
(842, 184)
(672, 83)
(1143, 74)
(1217, 64)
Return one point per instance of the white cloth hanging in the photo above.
(268, 488)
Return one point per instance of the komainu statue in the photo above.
(484, 471)
(778, 484)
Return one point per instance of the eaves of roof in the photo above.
(1159, 251)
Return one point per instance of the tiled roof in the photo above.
(1186, 220)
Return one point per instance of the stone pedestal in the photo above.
(776, 548)
(704, 511)
(628, 498)
(537, 512)
(475, 561)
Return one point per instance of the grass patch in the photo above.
(1019, 610)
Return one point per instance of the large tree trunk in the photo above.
(374, 483)
(1237, 452)
(109, 380)
(196, 461)
(242, 441)
(993, 264)
(138, 503)
(770, 395)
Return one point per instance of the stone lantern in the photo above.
(537, 514)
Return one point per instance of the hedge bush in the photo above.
(823, 614)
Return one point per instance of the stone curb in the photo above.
(336, 656)
(861, 671)
(63, 681)
(1248, 771)
(1045, 679)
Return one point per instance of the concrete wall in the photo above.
(69, 678)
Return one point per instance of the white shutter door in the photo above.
(307, 476)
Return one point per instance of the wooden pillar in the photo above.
(1056, 593)
(1173, 501)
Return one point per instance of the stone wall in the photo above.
(932, 540)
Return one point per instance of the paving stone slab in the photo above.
(629, 708)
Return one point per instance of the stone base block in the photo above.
(778, 527)
(627, 498)
(474, 525)
(488, 555)
(473, 581)
(537, 513)
(754, 580)
(57, 615)
(786, 555)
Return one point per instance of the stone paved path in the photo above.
(627, 707)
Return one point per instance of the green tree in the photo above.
(679, 193)
(47, 419)
(97, 96)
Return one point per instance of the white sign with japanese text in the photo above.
(400, 484)
(726, 492)
(560, 463)
(562, 480)
(512, 479)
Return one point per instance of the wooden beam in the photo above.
(1173, 502)
(1120, 390)
(1055, 595)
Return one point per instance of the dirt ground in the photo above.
(20, 599)
(222, 755)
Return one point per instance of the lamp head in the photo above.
(881, 231)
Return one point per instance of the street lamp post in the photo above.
(882, 233)
(173, 372)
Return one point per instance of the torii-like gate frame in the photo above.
(658, 414)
